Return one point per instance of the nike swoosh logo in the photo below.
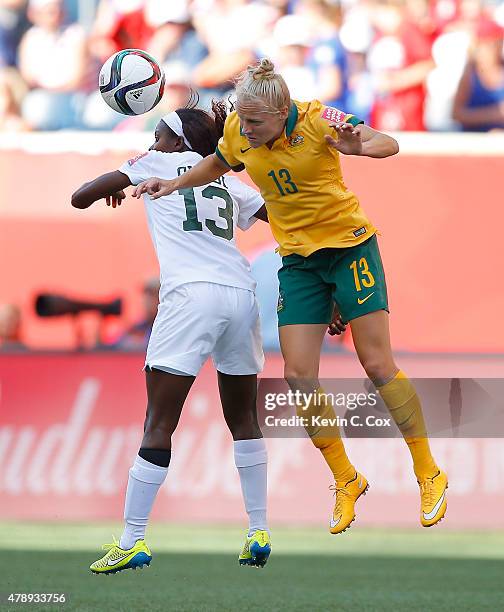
(245, 150)
(359, 301)
(333, 523)
(430, 515)
(116, 561)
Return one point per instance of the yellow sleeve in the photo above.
(229, 143)
(322, 116)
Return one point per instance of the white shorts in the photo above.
(200, 319)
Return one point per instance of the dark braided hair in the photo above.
(202, 129)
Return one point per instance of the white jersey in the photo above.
(193, 230)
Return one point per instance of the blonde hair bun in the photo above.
(262, 83)
(265, 70)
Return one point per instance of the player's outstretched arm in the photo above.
(205, 171)
(109, 186)
(361, 140)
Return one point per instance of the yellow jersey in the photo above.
(309, 206)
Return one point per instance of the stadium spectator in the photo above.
(10, 328)
(327, 57)
(174, 40)
(293, 43)
(449, 52)
(231, 31)
(399, 60)
(356, 36)
(53, 62)
(166, 32)
(372, 56)
(479, 101)
(119, 24)
(12, 90)
(13, 24)
(137, 336)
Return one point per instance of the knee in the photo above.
(243, 423)
(378, 370)
(293, 373)
(245, 431)
(157, 425)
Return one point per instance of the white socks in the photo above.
(143, 484)
(251, 461)
(145, 478)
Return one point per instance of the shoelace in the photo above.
(111, 546)
(339, 498)
(427, 490)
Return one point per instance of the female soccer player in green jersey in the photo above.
(329, 252)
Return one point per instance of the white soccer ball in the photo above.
(131, 82)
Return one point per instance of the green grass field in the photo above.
(196, 569)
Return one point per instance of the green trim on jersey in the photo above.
(292, 118)
(353, 120)
(237, 168)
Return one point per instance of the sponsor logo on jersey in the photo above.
(359, 232)
(135, 159)
(296, 140)
(333, 115)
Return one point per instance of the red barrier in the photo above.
(70, 426)
(439, 215)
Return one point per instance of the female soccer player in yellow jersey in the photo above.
(329, 252)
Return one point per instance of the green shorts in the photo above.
(352, 277)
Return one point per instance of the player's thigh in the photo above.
(238, 349)
(187, 325)
(304, 311)
(166, 394)
(304, 297)
(359, 280)
(371, 337)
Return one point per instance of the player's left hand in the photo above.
(115, 199)
(336, 327)
(349, 140)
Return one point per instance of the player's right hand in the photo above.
(336, 327)
(115, 199)
(155, 187)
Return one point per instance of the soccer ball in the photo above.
(131, 82)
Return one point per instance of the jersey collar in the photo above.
(292, 118)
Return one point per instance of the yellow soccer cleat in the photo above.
(346, 496)
(118, 559)
(433, 498)
(256, 550)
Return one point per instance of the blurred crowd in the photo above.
(398, 64)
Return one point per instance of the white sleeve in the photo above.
(249, 202)
(138, 168)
